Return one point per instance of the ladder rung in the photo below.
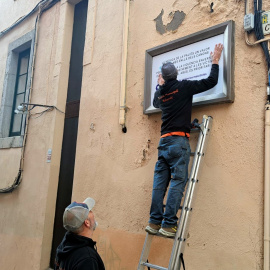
(161, 235)
(154, 266)
(193, 130)
(181, 234)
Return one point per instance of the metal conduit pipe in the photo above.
(122, 113)
(266, 255)
(267, 186)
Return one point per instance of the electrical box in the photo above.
(266, 22)
(249, 22)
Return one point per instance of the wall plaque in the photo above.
(191, 56)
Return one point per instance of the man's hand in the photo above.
(160, 80)
(217, 53)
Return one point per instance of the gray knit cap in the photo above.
(169, 71)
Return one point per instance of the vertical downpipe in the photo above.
(267, 185)
(122, 114)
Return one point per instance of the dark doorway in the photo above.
(68, 154)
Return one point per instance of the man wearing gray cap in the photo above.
(77, 250)
(174, 98)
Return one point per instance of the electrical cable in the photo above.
(259, 35)
(41, 113)
(259, 32)
(49, 109)
(246, 7)
(21, 19)
(256, 42)
(47, 4)
(18, 178)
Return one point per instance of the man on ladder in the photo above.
(174, 98)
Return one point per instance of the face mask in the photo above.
(95, 226)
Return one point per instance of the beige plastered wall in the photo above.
(27, 214)
(226, 229)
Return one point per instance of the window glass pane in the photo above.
(17, 118)
(21, 84)
(19, 100)
(24, 64)
(17, 121)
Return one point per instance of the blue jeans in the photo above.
(171, 168)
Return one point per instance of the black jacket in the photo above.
(174, 98)
(77, 253)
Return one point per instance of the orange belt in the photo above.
(177, 133)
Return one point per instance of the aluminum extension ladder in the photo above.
(176, 261)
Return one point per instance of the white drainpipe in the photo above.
(122, 115)
(267, 186)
